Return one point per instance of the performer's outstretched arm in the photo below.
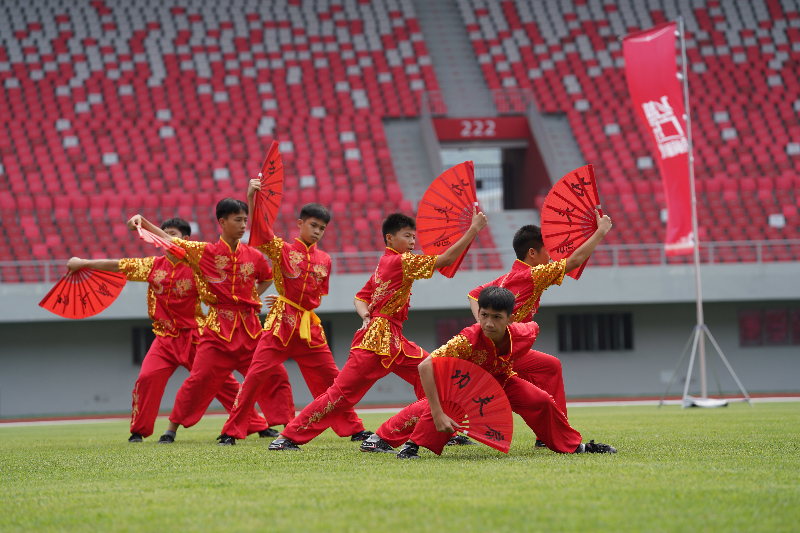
(449, 257)
(582, 253)
(444, 423)
(106, 265)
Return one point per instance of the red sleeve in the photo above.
(365, 294)
(327, 278)
(474, 293)
(263, 271)
(527, 329)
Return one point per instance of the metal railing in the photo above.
(499, 258)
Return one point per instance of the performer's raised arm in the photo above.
(140, 221)
(255, 185)
(584, 251)
(449, 257)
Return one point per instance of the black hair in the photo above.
(396, 222)
(525, 238)
(315, 211)
(179, 224)
(496, 299)
(230, 206)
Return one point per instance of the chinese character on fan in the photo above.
(667, 128)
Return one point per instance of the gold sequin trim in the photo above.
(136, 269)
(418, 266)
(458, 347)
(378, 337)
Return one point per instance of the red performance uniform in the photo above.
(375, 352)
(226, 282)
(174, 308)
(292, 329)
(528, 283)
(534, 405)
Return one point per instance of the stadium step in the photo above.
(460, 78)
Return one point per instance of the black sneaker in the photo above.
(460, 440)
(361, 435)
(595, 447)
(166, 439)
(375, 444)
(408, 451)
(226, 440)
(269, 432)
(539, 444)
(283, 444)
(135, 437)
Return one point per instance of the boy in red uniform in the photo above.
(494, 344)
(379, 346)
(230, 279)
(531, 274)
(174, 307)
(292, 329)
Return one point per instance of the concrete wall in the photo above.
(86, 367)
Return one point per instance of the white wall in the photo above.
(86, 367)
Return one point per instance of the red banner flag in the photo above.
(657, 95)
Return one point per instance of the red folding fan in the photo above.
(445, 212)
(568, 218)
(475, 400)
(83, 293)
(268, 199)
(151, 237)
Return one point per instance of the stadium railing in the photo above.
(724, 252)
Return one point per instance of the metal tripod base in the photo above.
(689, 401)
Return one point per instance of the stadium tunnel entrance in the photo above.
(510, 172)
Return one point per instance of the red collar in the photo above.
(300, 245)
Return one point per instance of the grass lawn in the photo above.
(733, 469)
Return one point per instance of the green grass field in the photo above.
(733, 469)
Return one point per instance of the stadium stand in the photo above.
(745, 96)
(112, 108)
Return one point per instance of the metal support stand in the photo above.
(700, 329)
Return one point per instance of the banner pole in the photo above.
(688, 117)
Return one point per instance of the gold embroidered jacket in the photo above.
(389, 291)
(173, 302)
(527, 283)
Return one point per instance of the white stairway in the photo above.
(461, 81)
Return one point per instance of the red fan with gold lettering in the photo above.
(83, 293)
(268, 200)
(475, 400)
(568, 218)
(445, 212)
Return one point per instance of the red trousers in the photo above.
(213, 364)
(165, 355)
(359, 374)
(317, 366)
(535, 406)
(544, 371)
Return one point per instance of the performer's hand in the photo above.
(135, 222)
(270, 300)
(75, 263)
(603, 223)
(445, 424)
(366, 319)
(255, 185)
(479, 220)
